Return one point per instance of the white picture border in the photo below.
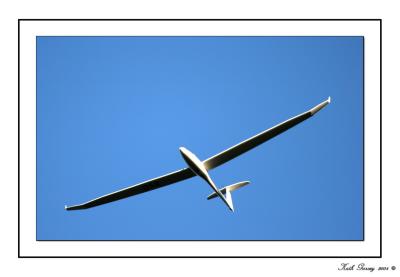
(29, 247)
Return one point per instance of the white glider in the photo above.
(199, 168)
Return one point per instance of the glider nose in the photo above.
(186, 156)
(183, 151)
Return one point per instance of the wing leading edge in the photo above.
(210, 163)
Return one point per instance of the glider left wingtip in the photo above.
(320, 106)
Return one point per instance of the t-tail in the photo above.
(226, 191)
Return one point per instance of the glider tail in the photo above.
(226, 191)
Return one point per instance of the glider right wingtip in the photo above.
(76, 207)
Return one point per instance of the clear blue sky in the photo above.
(113, 111)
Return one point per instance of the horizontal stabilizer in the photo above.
(228, 189)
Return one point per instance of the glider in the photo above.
(201, 168)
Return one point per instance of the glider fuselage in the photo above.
(199, 169)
